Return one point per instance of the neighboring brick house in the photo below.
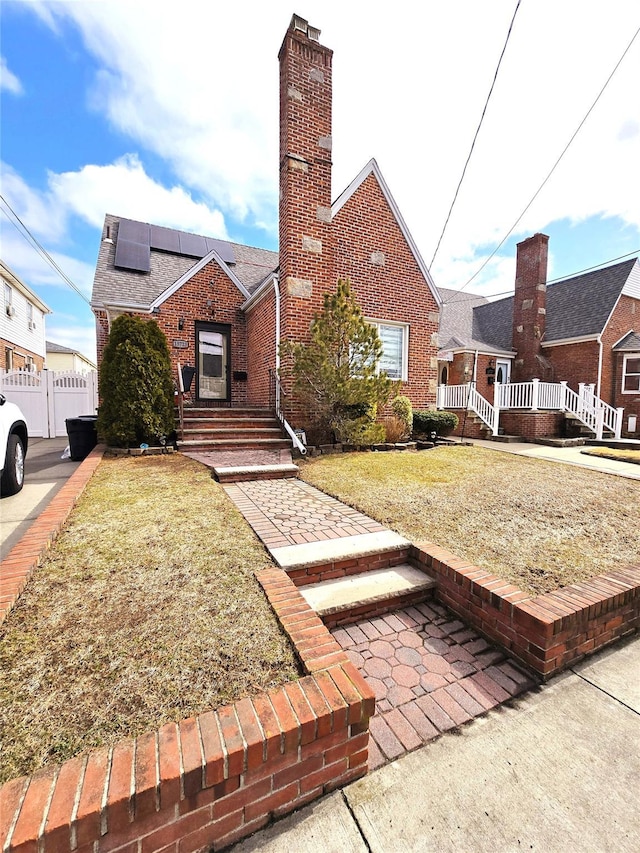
(224, 307)
(583, 330)
(22, 336)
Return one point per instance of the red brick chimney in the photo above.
(529, 308)
(307, 253)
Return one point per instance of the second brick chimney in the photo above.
(529, 308)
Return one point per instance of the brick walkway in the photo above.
(430, 673)
(290, 512)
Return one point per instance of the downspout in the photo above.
(276, 293)
(294, 438)
(600, 355)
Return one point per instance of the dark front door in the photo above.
(213, 357)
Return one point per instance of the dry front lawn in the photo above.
(621, 455)
(538, 524)
(146, 610)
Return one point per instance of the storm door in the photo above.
(213, 359)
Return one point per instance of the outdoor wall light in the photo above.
(491, 371)
(181, 323)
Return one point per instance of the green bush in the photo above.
(136, 386)
(403, 410)
(429, 422)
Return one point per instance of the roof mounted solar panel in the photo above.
(165, 239)
(224, 249)
(135, 232)
(132, 256)
(192, 245)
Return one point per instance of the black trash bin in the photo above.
(83, 436)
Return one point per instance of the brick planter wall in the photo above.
(204, 782)
(548, 632)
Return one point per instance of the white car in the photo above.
(13, 447)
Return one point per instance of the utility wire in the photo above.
(37, 247)
(551, 281)
(486, 104)
(555, 165)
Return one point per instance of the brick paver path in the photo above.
(290, 512)
(430, 673)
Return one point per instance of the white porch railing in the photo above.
(534, 396)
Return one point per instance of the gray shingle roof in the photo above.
(630, 343)
(113, 286)
(576, 307)
(51, 347)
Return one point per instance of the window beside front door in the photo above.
(213, 360)
(631, 374)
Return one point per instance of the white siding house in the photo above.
(22, 324)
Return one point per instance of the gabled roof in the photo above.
(458, 329)
(128, 288)
(577, 307)
(11, 278)
(630, 343)
(372, 168)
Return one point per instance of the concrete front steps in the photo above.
(355, 577)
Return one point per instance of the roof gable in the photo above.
(372, 168)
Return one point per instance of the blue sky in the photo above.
(171, 117)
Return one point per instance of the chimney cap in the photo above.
(303, 26)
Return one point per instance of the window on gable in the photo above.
(631, 374)
(8, 297)
(395, 347)
(30, 324)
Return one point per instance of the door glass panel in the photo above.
(212, 365)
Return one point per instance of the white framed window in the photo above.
(395, 348)
(631, 373)
(8, 300)
(30, 323)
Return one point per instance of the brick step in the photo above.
(343, 600)
(312, 562)
(211, 412)
(232, 423)
(219, 433)
(236, 444)
(240, 473)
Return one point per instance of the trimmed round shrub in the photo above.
(430, 422)
(136, 385)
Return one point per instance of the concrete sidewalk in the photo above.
(556, 771)
(565, 455)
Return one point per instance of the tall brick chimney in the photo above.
(529, 308)
(307, 252)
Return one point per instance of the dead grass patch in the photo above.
(621, 455)
(146, 610)
(538, 524)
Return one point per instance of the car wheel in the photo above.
(13, 474)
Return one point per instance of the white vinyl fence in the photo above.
(49, 397)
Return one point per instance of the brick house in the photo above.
(225, 307)
(583, 331)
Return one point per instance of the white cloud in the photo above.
(69, 332)
(199, 89)
(125, 189)
(8, 80)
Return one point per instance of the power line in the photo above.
(486, 104)
(555, 165)
(602, 264)
(38, 247)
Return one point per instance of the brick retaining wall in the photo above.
(547, 632)
(204, 782)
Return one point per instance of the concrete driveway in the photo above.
(45, 474)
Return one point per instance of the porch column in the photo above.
(535, 394)
(495, 412)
